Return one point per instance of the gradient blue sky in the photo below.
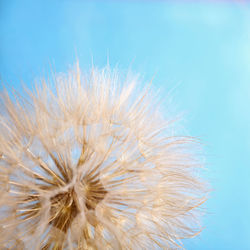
(199, 48)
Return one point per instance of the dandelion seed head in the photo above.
(94, 164)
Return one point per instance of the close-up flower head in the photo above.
(124, 124)
(92, 162)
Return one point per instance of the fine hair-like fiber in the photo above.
(94, 164)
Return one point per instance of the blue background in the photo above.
(200, 49)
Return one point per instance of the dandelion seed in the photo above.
(94, 165)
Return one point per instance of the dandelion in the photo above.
(93, 164)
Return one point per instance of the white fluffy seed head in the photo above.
(95, 165)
